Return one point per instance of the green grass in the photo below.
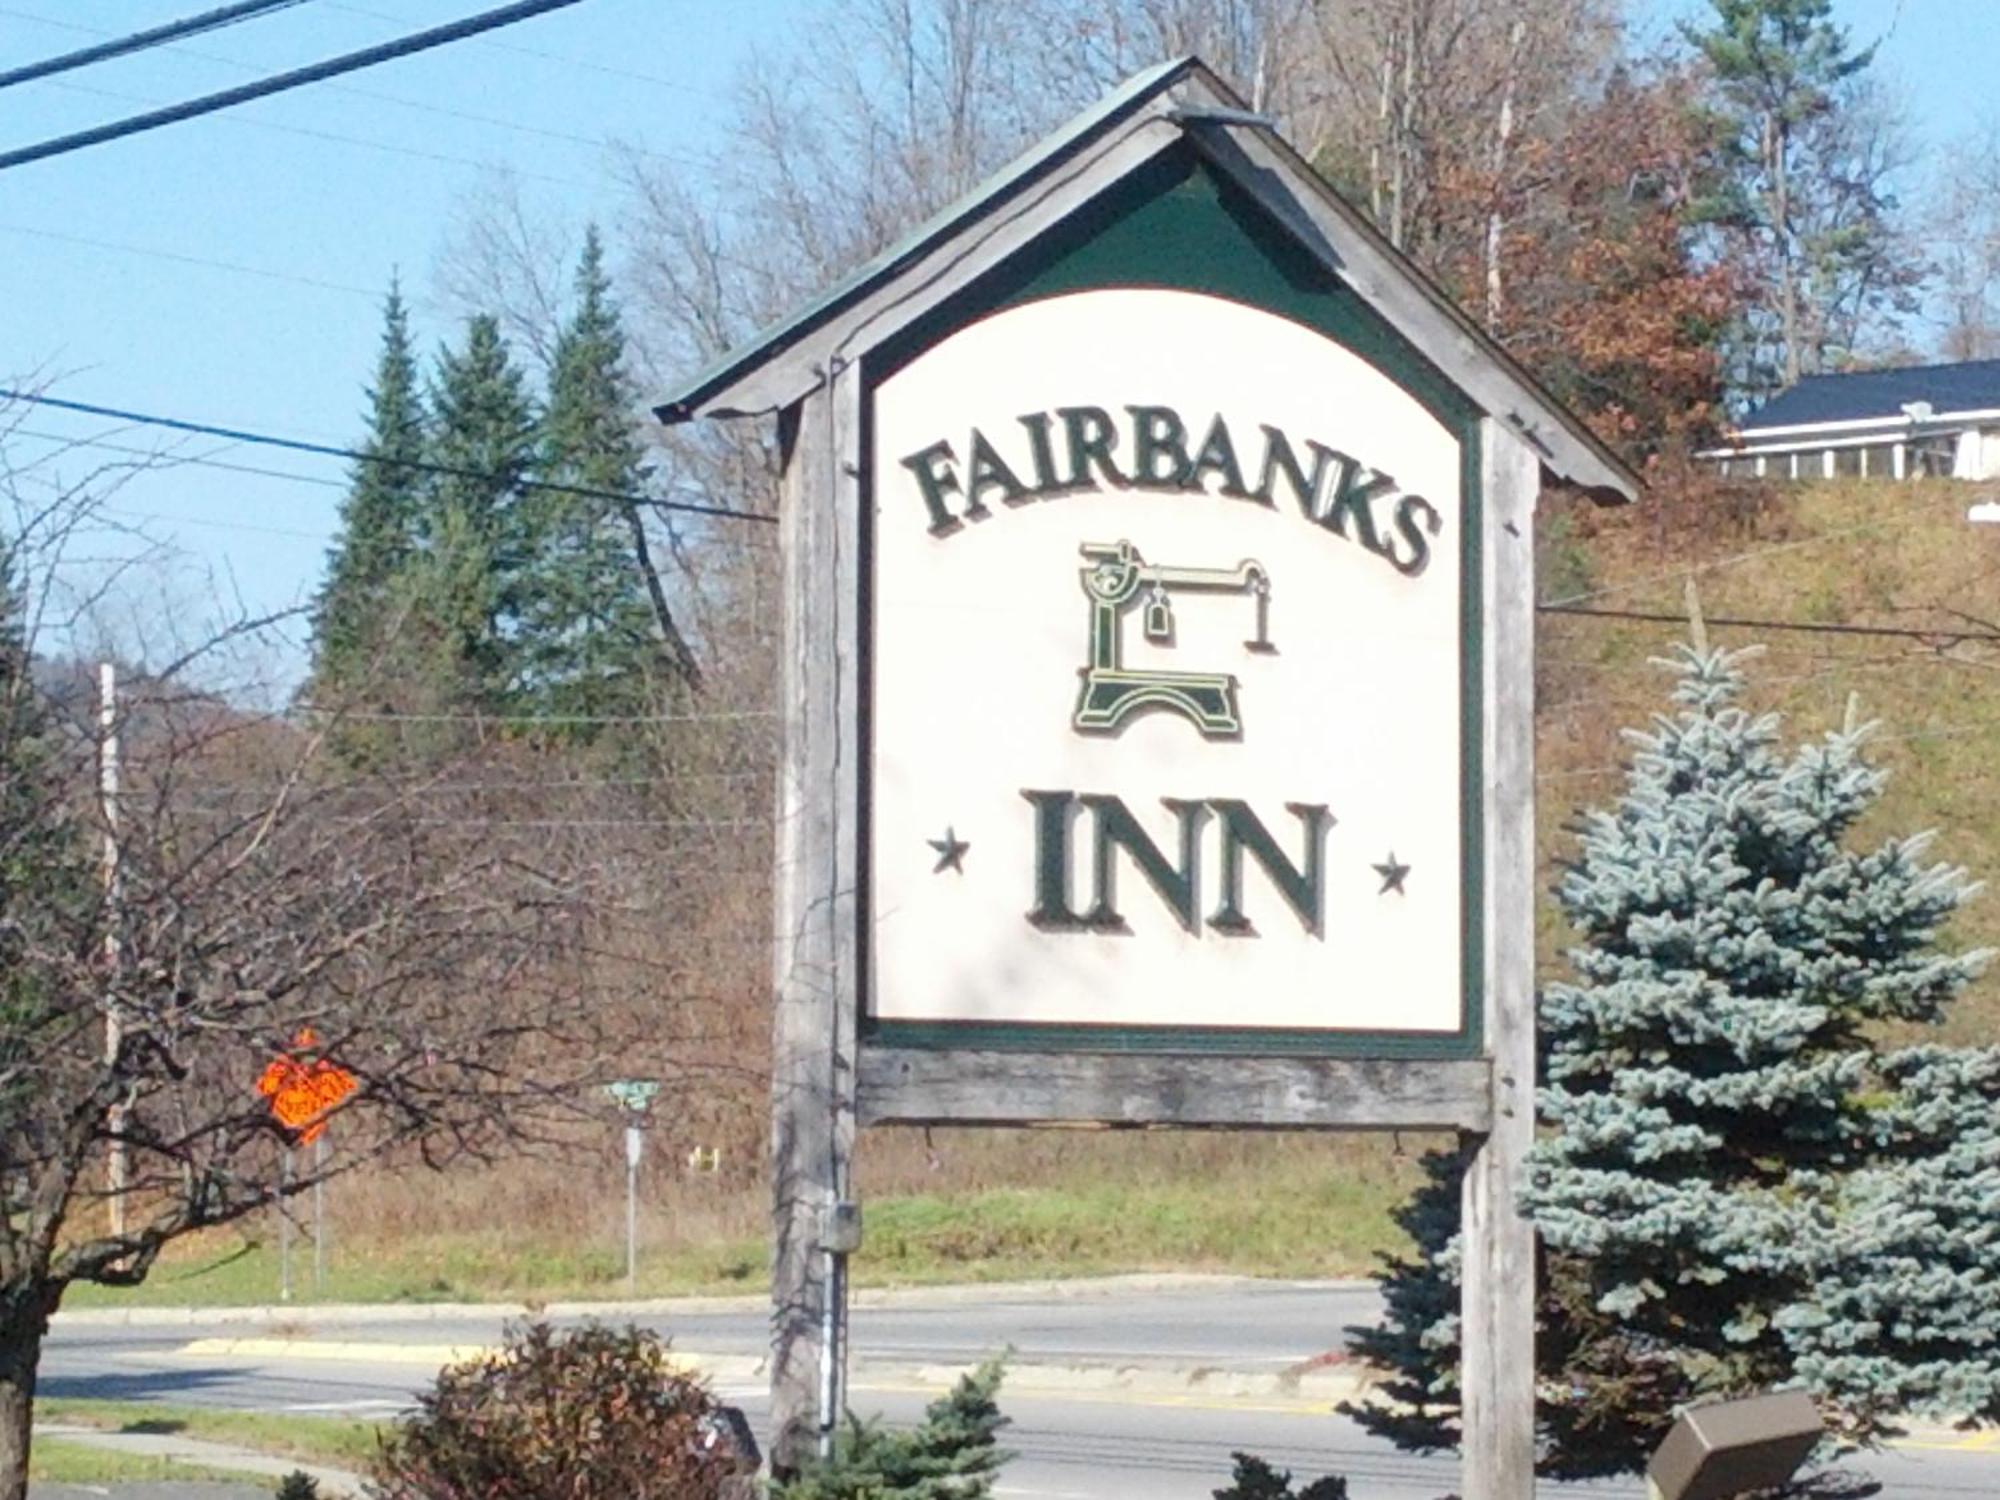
(1327, 1226)
(473, 1267)
(57, 1461)
(1289, 1214)
(337, 1441)
(333, 1441)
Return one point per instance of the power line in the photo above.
(310, 132)
(333, 67)
(63, 238)
(139, 41)
(1806, 627)
(375, 94)
(389, 716)
(554, 57)
(422, 466)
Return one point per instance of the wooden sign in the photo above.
(1158, 694)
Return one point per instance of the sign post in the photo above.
(1158, 657)
(304, 1087)
(635, 1097)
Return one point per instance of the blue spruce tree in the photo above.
(1738, 1186)
(1904, 1318)
(1712, 1068)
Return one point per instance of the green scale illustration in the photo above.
(1115, 578)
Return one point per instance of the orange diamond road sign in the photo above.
(303, 1093)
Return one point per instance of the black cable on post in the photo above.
(140, 41)
(333, 67)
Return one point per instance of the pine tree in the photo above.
(46, 886)
(588, 640)
(952, 1455)
(1252, 1478)
(1711, 1065)
(1802, 208)
(1904, 1319)
(1734, 1182)
(461, 594)
(378, 521)
(1417, 1339)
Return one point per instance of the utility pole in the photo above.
(114, 1023)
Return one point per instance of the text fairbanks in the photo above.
(1076, 448)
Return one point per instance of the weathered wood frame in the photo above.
(826, 1083)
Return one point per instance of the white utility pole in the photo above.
(114, 1023)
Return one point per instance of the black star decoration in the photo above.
(1392, 874)
(951, 852)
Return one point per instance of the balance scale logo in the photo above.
(1115, 577)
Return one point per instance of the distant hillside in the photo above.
(1900, 556)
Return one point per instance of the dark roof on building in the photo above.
(1971, 386)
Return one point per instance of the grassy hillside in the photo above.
(1849, 553)
(972, 1204)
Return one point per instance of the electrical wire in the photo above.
(390, 716)
(333, 67)
(313, 133)
(1951, 636)
(422, 466)
(497, 121)
(140, 41)
(62, 237)
(516, 47)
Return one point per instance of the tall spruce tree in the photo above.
(1714, 1093)
(1802, 207)
(378, 520)
(587, 642)
(463, 590)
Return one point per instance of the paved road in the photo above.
(1105, 1445)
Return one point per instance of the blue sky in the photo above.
(229, 269)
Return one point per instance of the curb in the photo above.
(1312, 1386)
(943, 1295)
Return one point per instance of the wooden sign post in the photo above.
(1158, 697)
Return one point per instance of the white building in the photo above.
(1932, 419)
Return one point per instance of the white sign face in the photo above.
(1167, 719)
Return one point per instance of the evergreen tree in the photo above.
(1904, 1319)
(47, 889)
(1802, 208)
(1253, 1479)
(1417, 1339)
(587, 642)
(1714, 1059)
(952, 1455)
(461, 594)
(1721, 1186)
(378, 518)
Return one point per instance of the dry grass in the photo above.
(971, 1204)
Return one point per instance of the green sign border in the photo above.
(1176, 224)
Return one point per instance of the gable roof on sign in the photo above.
(1869, 395)
(1152, 113)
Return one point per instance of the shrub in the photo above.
(951, 1456)
(1254, 1479)
(298, 1485)
(592, 1413)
